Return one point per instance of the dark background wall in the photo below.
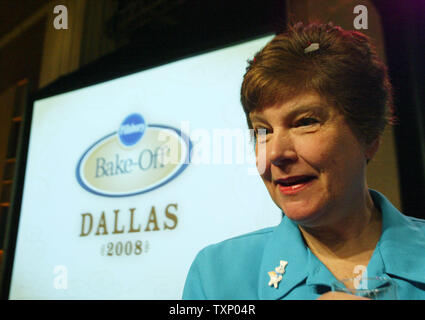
(404, 30)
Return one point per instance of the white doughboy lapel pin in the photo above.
(274, 279)
(281, 268)
(276, 276)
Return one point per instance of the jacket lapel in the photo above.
(285, 243)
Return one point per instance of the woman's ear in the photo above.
(372, 148)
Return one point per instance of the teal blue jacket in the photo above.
(238, 268)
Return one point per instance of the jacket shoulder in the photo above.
(416, 224)
(246, 248)
(255, 238)
(228, 268)
(419, 222)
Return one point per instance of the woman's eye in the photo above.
(306, 122)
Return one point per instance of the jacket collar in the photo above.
(399, 250)
(285, 243)
(402, 242)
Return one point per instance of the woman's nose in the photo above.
(281, 149)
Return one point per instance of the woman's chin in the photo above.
(302, 215)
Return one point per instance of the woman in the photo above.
(318, 99)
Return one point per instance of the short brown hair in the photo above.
(345, 70)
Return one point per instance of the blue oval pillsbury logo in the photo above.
(132, 129)
(107, 169)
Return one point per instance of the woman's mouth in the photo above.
(295, 184)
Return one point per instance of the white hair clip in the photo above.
(312, 47)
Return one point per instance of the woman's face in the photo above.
(314, 164)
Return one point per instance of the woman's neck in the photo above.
(348, 237)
